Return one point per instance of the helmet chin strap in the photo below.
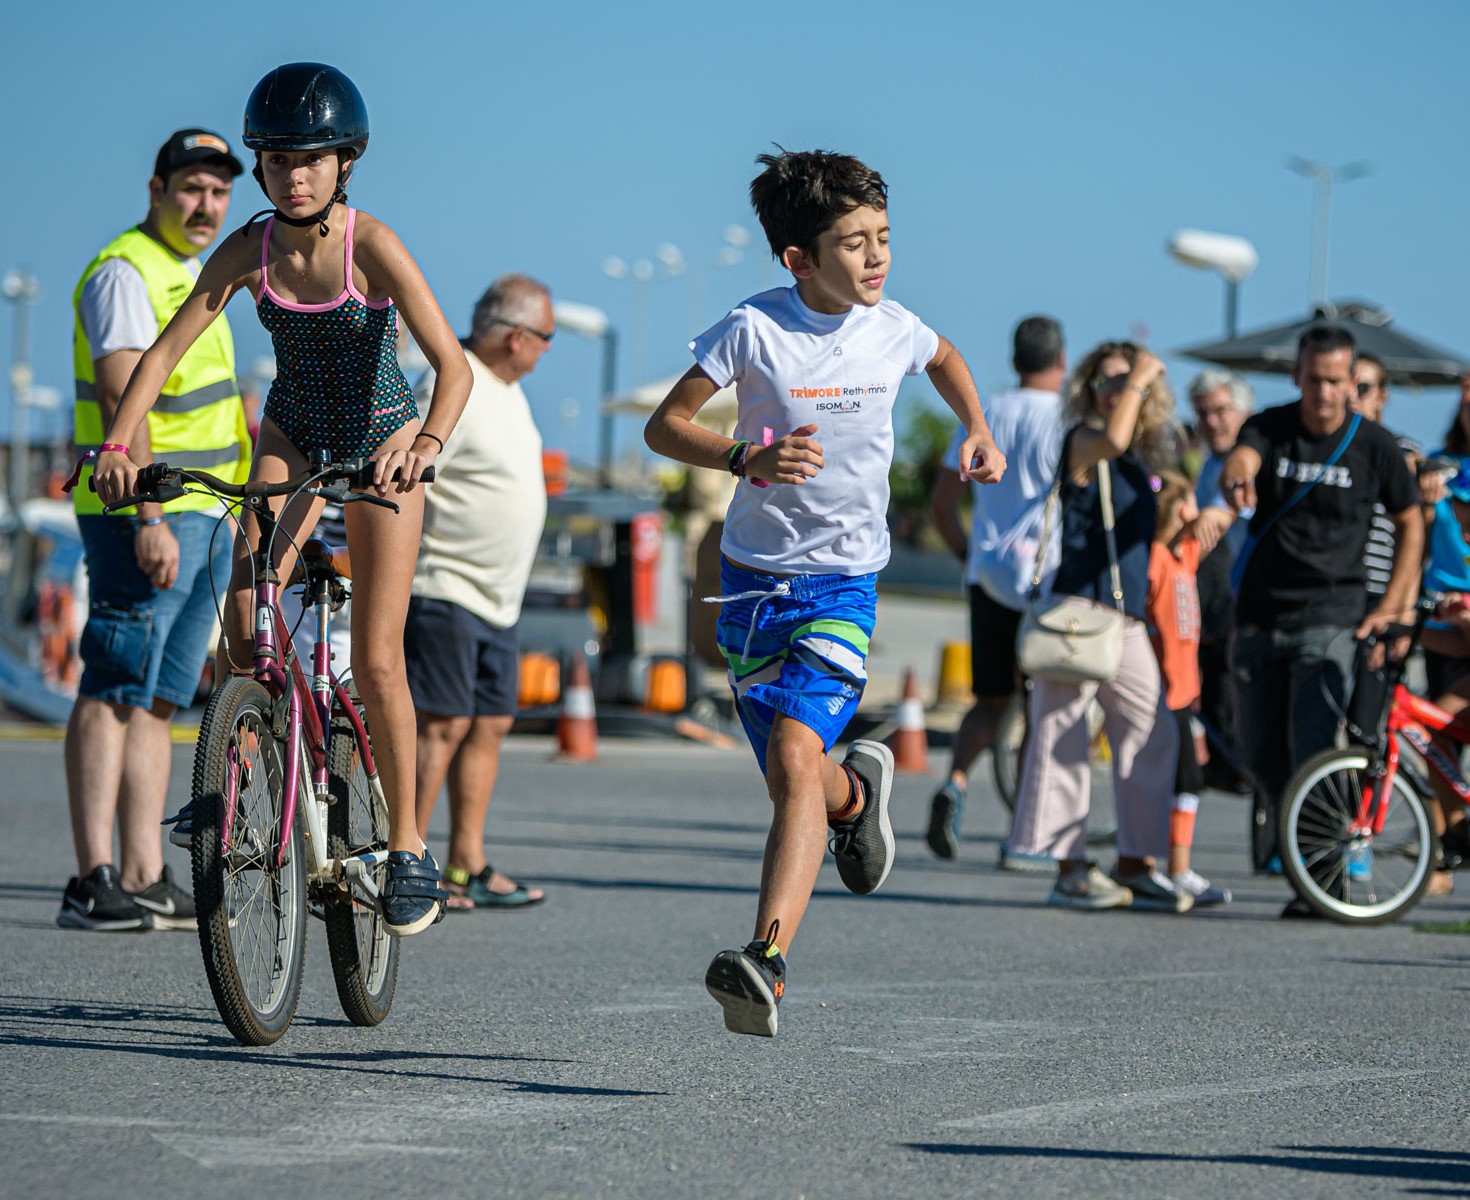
(319, 219)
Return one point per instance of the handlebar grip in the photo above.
(364, 476)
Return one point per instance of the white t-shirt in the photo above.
(485, 510)
(1005, 525)
(792, 366)
(115, 310)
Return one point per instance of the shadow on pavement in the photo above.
(1378, 1162)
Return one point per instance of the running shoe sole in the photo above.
(69, 918)
(873, 761)
(744, 994)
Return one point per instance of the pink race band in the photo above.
(115, 447)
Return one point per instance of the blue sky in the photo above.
(1039, 156)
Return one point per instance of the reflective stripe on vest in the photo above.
(198, 420)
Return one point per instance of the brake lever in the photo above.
(162, 494)
(369, 498)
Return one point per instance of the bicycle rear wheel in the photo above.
(1361, 881)
(364, 957)
(252, 909)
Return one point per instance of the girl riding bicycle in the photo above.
(327, 282)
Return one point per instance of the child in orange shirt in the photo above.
(1174, 620)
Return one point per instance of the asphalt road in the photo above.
(950, 1036)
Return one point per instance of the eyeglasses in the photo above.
(545, 337)
(1366, 388)
(1109, 383)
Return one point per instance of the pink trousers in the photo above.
(1054, 794)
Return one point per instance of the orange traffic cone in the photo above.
(909, 742)
(576, 728)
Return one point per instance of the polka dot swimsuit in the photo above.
(338, 386)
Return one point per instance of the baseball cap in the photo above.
(185, 147)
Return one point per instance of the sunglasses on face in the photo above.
(545, 337)
(1109, 383)
(1367, 389)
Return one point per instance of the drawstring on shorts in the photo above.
(760, 596)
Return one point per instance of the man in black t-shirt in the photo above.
(1299, 603)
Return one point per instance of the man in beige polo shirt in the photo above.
(482, 523)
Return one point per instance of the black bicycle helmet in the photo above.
(306, 106)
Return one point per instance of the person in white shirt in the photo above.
(816, 368)
(482, 523)
(1000, 550)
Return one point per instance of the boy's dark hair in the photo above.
(801, 194)
(1037, 345)
(1324, 339)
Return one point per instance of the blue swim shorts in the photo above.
(458, 664)
(798, 646)
(139, 643)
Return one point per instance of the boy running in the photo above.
(803, 542)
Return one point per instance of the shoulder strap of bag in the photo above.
(1105, 494)
(1237, 571)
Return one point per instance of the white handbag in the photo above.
(1069, 639)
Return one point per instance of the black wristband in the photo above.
(431, 437)
(736, 459)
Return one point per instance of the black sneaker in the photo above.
(748, 984)
(943, 834)
(1455, 846)
(182, 833)
(863, 846)
(412, 898)
(98, 902)
(170, 906)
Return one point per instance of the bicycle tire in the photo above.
(1005, 762)
(252, 912)
(364, 957)
(1317, 850)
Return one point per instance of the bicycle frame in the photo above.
(277, 667)
(1414, 718)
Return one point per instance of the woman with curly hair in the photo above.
(1121, 413)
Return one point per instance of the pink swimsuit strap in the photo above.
(349, 288)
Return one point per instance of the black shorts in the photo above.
(459, 665)
(992, 644)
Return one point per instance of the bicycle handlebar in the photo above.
(158, 483)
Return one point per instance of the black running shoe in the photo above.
(943, 835)
(1455, 846)
(97, 901)
(748, 984)
(182, 833)
(170, 906)
(863, 846)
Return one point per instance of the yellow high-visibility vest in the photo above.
(198, 420)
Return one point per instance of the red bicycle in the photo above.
(287, 811)
(1357, 843)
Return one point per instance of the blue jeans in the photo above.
(141, 643)
(1291, 690)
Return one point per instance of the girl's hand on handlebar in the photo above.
(114, 476)
(409, 464)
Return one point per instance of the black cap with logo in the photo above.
(187, 147)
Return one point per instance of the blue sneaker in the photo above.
(943, 835)
(1272, 867)
(1360, 863)
(412, 898)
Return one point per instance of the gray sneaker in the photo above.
(1087, 887)
(1154, 892)
(864, 846)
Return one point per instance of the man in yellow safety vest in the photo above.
(151, 611)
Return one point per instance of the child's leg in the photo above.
(384, 549)
(806, 786)
(276, 460)
(1188, 779)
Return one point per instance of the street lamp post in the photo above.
(586, 321)
(1323, 177)
(21, 288)
(1233, 258)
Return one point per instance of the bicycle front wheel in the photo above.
(1354, 880)
(364, 957)
(251, 905)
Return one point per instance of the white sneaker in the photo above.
(1204, 892)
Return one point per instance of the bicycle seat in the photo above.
(322, 557)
